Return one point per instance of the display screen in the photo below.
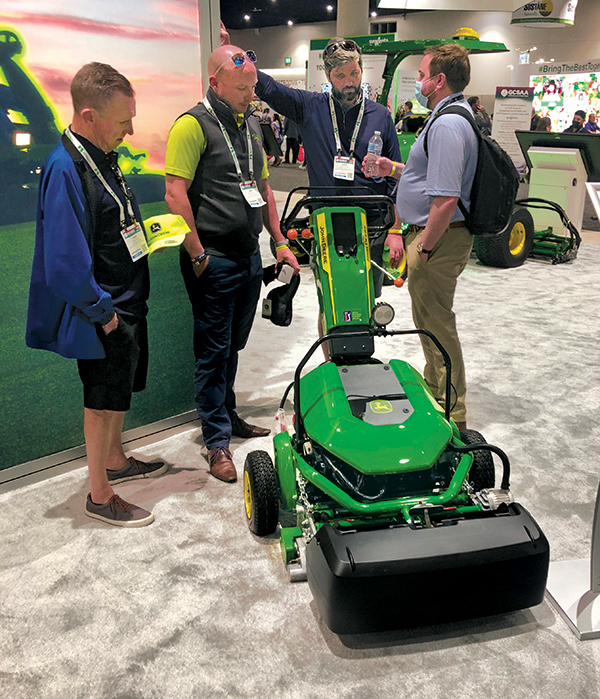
(560, 96)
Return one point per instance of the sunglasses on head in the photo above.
(239, 59)
(346, 44)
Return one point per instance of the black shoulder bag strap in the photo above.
(471, 119)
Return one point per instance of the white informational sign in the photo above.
(544, 13)
(512, 112)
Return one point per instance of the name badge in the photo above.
(135, 240)
(252, 194)
(343, 168)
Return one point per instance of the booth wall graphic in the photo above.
(157, 46)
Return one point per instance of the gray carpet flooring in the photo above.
(196, 606)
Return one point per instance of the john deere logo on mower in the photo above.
(381, 406)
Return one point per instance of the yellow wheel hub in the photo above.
(247, 495)
(516, 242)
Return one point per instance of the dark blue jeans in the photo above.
(224, 300)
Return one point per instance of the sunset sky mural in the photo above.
(153, 42)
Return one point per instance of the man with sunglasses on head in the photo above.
(216, 178)
(336, 128)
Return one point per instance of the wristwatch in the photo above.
(420, 248)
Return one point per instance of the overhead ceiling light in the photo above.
(290, 22)
(329, 8)
(247, 18)
(373, 14)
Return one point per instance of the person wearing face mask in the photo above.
(578, 125)
(438, 244)
(335, 128)
(217, 179)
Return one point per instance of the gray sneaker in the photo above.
(118, 512)
(136, 469)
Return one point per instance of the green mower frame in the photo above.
(381, 502)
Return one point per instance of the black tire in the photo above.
(509, 248)
(482, 474)
(301, 256)
(260, 493)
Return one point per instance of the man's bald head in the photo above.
(232, 84)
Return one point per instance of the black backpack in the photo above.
(495, 184)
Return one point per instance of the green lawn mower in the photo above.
(520, 240)
(383, 505)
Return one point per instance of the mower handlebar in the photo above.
(365, 199)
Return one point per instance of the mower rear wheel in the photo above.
(510, 247)
(260, 493)
(482, 474)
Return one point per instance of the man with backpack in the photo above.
(439, 172)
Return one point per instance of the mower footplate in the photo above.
(381, 579)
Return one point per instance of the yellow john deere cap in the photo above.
(165, 230)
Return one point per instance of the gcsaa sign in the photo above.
(544, 13)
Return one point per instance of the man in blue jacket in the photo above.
(336, 127)
(90, 282)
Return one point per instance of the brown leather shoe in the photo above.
(221, 464)
(461, 426)
(241, 428)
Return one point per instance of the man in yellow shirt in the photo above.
(213, 154)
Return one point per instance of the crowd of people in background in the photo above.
(579, 125)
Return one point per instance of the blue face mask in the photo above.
(421, 98)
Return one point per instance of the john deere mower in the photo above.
(386, 508)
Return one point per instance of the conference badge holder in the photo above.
(135, 240)
(252, 194)
(343, 168)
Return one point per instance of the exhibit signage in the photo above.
(512, 112)
(544, 13)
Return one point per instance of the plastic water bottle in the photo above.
(373, 152)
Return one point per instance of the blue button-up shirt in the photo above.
(447, 172)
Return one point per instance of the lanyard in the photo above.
(236, 162)
(100, 176)
(336, 131)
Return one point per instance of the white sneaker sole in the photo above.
(116, 523)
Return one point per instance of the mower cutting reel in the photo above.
(519, 240)
(390, 512)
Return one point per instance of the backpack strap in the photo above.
(89, 190)
(471, 119)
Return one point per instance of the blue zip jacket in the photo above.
(310, 110)
(64, 299)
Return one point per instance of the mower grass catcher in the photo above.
(388, 510)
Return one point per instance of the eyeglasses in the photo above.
(239, 59)
(346, 44)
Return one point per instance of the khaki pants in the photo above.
(431, 286)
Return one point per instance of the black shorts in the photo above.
(108, 383)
